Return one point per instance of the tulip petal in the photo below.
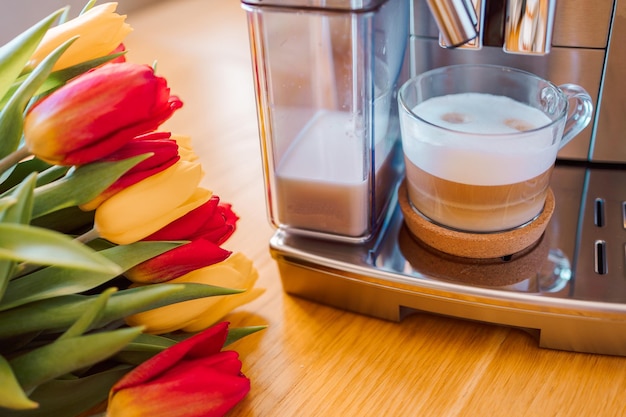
(202, 344)
(185, 148)
(100, 31)
(212, 221)
(208, 392)
(235, 272)
(143, 208)
(164, 155)
(98, 112)
(177, 262)
(169, 318)
(221, 308)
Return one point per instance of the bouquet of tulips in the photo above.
(113, 278)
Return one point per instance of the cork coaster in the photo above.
(474, 245)
(487, 272)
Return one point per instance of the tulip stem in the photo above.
(88, 236)
(13, 158)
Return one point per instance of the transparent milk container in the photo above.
(326, 75)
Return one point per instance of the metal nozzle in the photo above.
(528, 28)
(456, 19)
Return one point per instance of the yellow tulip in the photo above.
(236, 272)
(185, 147)
(149, 205)
(100, 32)
(221, 308)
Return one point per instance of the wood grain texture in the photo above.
(318, 361)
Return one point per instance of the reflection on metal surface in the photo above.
(476, 10)
(537, 269)
(555, 273)
(517, 272)
(528, 28)
(457, 21)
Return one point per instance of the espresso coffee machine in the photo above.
(326, 75)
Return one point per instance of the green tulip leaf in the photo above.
(18, 212)
(91, 314)
(6, 202)
(22, 170)
(7, 269)
(16, 53)
(234, 334)
(67, 355)
(51, 174)
(36, 245)
(88, 6)
(11, 115)
(150, 342)
(143, 348)
(55, 281)
(59, 78)
(71, 397)
(69, 220)
(58, 313)
(80, 185)
(237, 333)
(12, 395)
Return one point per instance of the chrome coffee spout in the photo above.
(457, 21)
(525, 25)
(528, 27)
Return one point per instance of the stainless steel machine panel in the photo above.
(563, 290)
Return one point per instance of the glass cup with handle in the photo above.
(480, 143)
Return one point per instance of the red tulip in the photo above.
(191, 378)
(121, 58)
(164, 155)
(97, 113)
(177, 262)
(211, 221)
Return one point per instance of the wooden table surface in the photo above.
(314, 360)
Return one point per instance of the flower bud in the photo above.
(164, 154)
(179, 261)
(97, 113)
(100, 31)
(211, 221)
(236, 272)
(147, 206)
(192, 378)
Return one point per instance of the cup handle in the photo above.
(580, 115)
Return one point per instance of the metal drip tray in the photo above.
(569, 288)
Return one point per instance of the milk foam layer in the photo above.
(483, 140)
(480, 113)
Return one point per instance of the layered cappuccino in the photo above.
(478, 162)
